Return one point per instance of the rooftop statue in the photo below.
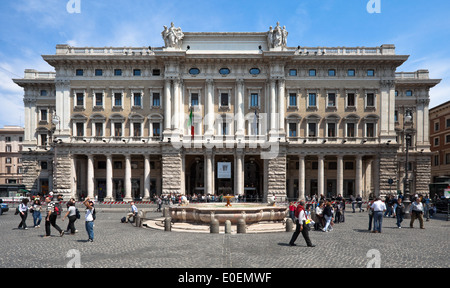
(277, 37)
(172, 36)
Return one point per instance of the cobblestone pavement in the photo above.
(123, 245)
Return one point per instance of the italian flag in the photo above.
(191, 124)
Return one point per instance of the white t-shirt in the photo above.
(378, 206)
(89, 215)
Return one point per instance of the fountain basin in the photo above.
(204, 213)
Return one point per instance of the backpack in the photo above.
(94, 214)
(77, 213)
(58, 208)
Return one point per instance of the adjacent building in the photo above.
(440, 142)
(225, 113)
(11, 171)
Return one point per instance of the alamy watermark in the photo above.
(375, 258)
(374, 6)
(74, 6)
(75, 259)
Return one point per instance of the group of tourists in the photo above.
(327, 213)
(50, 208)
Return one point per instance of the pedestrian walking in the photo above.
(399, 212)
(37, 216)
(292, 211)
(426, 201)
(133, 213)
(370, 212)
(89, 218)
(72, 215)
(328, 215)
(378, 208)
(159, 202)
(23, 212)
(359, 203)
(416, 211)
(50, 219)
(353, 200)
(301, 226)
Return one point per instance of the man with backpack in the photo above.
(300, 216)
(52, 214)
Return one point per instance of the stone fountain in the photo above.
(251, 213)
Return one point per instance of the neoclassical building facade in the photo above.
(224, 113)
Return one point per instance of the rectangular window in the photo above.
(156, 100)
(80, 99)
(156, 129)
(396, 116)
(351, 72)
(447, 139)
(293, 72)
(98, 129)
(224, 99)
(137, 99)
(447, 158)
(312, 72)
(8, 139)
(80, 129)
(43, 114)
(331, 130)
(194, 99)
(98, 72)
(370, 130)
(292, 99)
(43, 139)
(44, 93)
(156, 72)
(118, 129)
(224, 128)
(331, 100)
(137, 129)
(351, 130)
(99, 99)
(332, 165)
(331, 72)
(370, 73)
(312, 100)
(118, 99)
(79, 72)
(137, 72)
(8, 148)
(436, 126)
(254, 101)
(117, 72)
(436, 141)
(370, 100)
(348, 165)
(351, 100)
(447, 125)
(292, 129)
(118, 165)
(436, 160)
(312, 129)
(409, 93)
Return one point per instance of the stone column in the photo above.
(273, 118)
(209, 107)
(281, 107)
(239, 104)
(321, 176)
(109, 178)
(358, 175)
(90, 176)
(301, 177)
(63, 108)
(340, 175)
(176, 105)
(147, 177)
(127, 180)
(73, 178)
(208, 174)
(167, 106)
(239, 172)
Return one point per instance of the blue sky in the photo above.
(31, 28)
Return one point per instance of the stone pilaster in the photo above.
(423, 174)
(276, 174)
(171, 173)
(388, 168)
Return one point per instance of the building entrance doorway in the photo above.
(253, 180)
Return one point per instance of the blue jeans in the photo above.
(90, 229)
(399, 219)
(377, 220)
(37, 218)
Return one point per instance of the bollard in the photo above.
(289, 225)
(166, 212)
(227, 227)
(241, 227)
(214, 226)
(168, 224)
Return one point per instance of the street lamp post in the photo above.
(406, 197)
(55, 123)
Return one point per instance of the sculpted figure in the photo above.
(270, 38)
(172, 36)
(277, 37)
